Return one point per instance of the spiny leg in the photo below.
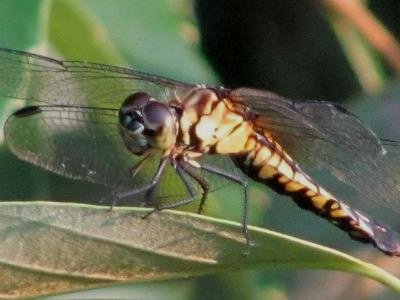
(140, 164)
(181, 172)
(245, 185)
(150, 193)
(131, 172)
(148, 197)
(203, 184)
(145, 187)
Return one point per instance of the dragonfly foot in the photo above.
(145, 216)
(200, 210)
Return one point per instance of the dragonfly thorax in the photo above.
(146, 124)
(211, 124)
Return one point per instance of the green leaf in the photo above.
(50, 248)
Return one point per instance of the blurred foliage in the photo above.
(283, 46)
(291, 47)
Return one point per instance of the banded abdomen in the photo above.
(211, 125)
(268, 163)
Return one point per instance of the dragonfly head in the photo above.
(146, 124)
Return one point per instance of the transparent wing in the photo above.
(325, 135)
(80, 143)
(76, 134)
(84, 143)
(32, 77)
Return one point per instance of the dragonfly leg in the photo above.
(203, 184)
(182, 174)
(145, 187)
(131, 172)
(245, 186)
(139, 165)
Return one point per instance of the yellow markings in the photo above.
(198, 102)
(283, 179)
(191, 115)
(228, 123)
(319, 201)
(310, 193)
(293, 186)
(300, 178)
(224, 130)
(339, 213)
(267, 134)
(275, 160)
(262, 155)
(285, 169)
(267, 172)
(206, 109)
(231, 106)
(218, 126)
(324, 192)
(201, 100)
(231, 117)
(208, 124)
(335, 206)
(218, 113)
(205, 130)
(250, 144)
(250, 156)
(188, 118)
(236, 141)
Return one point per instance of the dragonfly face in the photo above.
(151, 138)
(146, 124)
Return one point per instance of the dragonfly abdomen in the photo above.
(269, 164)
(210, 124)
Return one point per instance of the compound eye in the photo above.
(132, 122)
(130, 112)
(135, 101)
(157, 116)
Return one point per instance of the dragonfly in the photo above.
(165, 143)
